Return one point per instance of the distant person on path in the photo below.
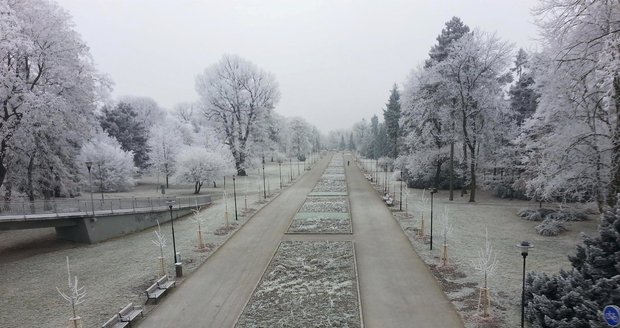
(347, 163)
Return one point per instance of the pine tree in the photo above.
(121, 123)
(453, 31)
(575, 298)
(523, 97)
(391, 116)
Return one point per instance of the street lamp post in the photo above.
(400, 203)
(433, 192)
(524, 246)
(100, 179)
(290, 167)
(178, 266)
(280, 166)
(298, 166)
(89, 165)
(235, 196)
(264, 184)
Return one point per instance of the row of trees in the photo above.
(541, 125)
(57, 114)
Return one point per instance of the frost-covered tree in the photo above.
(391, 117)
(147, 110)
(74, 295)
(486, 264)
(164, 144)
(113, 169)
(429, 118)
(45, 69)
(122, 123)
(575, 298)
(475, 71)
(236, 94)
(197, 165)
(574, 135)
(300, 137)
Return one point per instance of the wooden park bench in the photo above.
(115, 322)
(124, 317)
(129, 313)
(159, 288)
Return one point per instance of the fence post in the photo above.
(24, 209)
(133, 203)
(111, 206)
(55, 208)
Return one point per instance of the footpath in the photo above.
(396, 287)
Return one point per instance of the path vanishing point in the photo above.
(395, 286)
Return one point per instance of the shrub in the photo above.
(550, 227)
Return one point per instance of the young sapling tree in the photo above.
(160, 241)
(74, 296)
(225, 197)
(446, 231)
(486, 264)
(423, 206)
(199, 220)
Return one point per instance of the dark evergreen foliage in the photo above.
(391, 116)
(576, 298)
(121, 123)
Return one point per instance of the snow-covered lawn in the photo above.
(307, 284)
(114, 272)
(469, 220)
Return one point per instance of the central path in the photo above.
(396, 288)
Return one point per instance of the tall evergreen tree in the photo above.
(121, 123)
(374, 132)
(523, 97)
(391, 116)
(351, 145)
(454, 30)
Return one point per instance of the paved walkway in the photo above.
(396, 288)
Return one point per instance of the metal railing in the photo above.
(99, 206)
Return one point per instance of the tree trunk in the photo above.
(197, 187)
(30, 186)
(472, 184)
(612, 195)
(452, 170)
(167, 185)
(437, 174)
(3, 171)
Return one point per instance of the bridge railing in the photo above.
(99, 206)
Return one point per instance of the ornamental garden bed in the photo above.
(330, 185)
(321, 223)
(325, 204)
(307, 284)
(334, 170)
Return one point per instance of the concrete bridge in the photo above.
(91, 221)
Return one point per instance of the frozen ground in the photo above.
(307, 284)
(469, 221)
(115, 272)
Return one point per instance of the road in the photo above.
(396, 288)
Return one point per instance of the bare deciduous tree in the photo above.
(238, 96)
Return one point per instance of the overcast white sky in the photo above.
(335, 60)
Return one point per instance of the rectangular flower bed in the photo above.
(321, 223)
(330, 185)
(325, 204)
(307, 284)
